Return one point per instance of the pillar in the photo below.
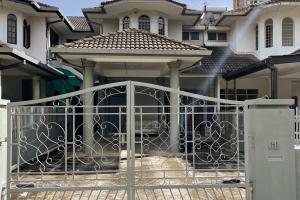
(88, 132)
(174, 104)
(36, 87)
(269, 147)
(3, 144)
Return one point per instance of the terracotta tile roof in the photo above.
(131, 39)
(223, 60)
(246, 10)
(79, 23)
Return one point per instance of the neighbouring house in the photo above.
(25, 37)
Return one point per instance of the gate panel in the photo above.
(127, 140)
(204, 158)
(70, 146)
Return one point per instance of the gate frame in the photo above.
(130, 105)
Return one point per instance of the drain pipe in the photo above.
(274, 79)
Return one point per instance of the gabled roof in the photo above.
(130, 39)
(246, 10)
(223, 60)
(80, 23)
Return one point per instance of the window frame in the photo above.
(269, 33)
(12, 29)
(256, 37)
(144, 23)
(26, 34)
(126, 22)
(161, 26)
(187, 34)
(194, 32)
(288, 37)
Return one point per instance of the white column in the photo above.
(36, 87)
(269, 147)
(174, 103)
(88, 132)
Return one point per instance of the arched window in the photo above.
(269, 33)
(26, 34)
(12, 29)
(287, 32)
(256, 37)
(126, 23)
(161, 26)
(144, 23)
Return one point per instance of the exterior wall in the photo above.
(38, 47)
(110, 25)
(175, 29)
(242, 39)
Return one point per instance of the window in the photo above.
(54, 38)
(212, 35)
(185, 36)
(269, 33)
(240, 94)
(195, 35)
(71, 40)
(217, 36)
(256, 37)
(26, 34)
(144, 23)
(161, 26)
(287, 32)
(126, 23)
(12, 29)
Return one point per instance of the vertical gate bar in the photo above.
(186, 141)
(247, 151)
(238, 139)
(66, 138)
(141, 129)
(9, 146)
(132, 134)
(74, 135)
(193, 137)
(18, 141)
(128, 134)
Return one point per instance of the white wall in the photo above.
(175, 29)
(242, 37)
(38, 48)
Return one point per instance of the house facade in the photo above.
(249, 34)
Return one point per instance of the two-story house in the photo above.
(25, 37)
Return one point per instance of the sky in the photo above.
(73, 7)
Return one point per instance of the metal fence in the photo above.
(127, 140)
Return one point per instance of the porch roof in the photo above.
(131, 49)
(13, 59)
(130, 39)
(286, 64)
(221, 61)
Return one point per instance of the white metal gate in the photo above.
(126, 140)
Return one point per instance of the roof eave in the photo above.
(129, 52)
(21, 56)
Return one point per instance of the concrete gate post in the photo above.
(3, 144)
(88, 131)
(174, 106)
(270, 154)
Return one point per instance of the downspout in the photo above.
(274, 79)
(48, 24)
